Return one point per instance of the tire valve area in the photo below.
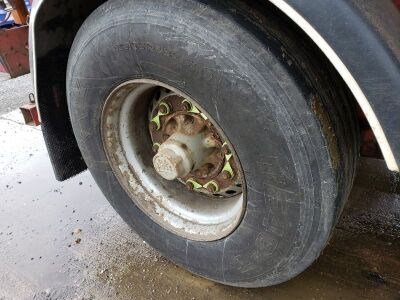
(188, 147)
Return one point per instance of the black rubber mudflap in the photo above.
(64, 152)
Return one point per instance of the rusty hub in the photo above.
(189, 147)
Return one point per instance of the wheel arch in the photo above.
(366, 59)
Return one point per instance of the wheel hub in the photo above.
(189, 148)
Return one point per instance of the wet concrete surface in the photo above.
(62, 240)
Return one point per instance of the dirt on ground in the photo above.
(62, 240)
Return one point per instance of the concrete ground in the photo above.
(62, 240)
(14, 92)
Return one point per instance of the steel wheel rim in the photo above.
(128, 150)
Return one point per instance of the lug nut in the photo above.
(226, 175)
(153, 126)
(155, 147)
(225, 149)
(189, 186)
(164, 108)
(186, 106)
(211, 188)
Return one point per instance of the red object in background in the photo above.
(14, 55)
(30, 114)
(369, 145)
(397, 3)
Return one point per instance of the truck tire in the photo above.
(265, 92)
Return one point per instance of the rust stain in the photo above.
(328, 131)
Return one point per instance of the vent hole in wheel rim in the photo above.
(231, 192)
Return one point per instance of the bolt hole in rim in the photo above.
(198, 215)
